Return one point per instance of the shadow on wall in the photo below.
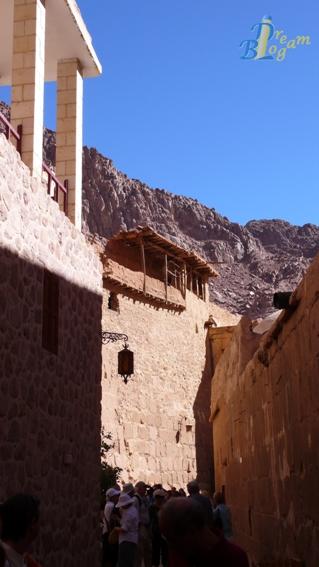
(203, 430)
(50, 414)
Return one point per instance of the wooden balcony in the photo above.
(134, 283)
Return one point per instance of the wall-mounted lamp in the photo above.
(125, 357)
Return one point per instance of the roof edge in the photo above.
(87, 38)
(147, 230)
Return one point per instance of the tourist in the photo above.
(144, 536)
(129, 489)
(150, 494)
(111, 520)
(222, 515)
(19, 519)
(128, 531)
(191, 540)
(159, 545)
(194, 493)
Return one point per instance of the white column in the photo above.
(28, 79)
(69, 143)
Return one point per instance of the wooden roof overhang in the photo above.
(159, 244)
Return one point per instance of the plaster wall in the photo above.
(265, 414)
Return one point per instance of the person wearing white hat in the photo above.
(128, 532)
(110, 521)
(129, 489)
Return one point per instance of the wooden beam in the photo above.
(154, 240)
(151, 245)
(166, 277)
(185, 279)
(143, 262)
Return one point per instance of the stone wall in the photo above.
(265, 412)
(159, 421)
(49, 404)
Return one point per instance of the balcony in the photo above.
(134, 283)
(57, 191)
(144, 263)
(12, 134)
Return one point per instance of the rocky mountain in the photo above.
(254, 260)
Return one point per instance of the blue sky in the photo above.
(177, 108)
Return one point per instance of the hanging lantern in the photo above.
(126, 363)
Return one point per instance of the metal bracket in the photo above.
(110, 337)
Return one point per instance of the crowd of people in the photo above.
(142, 526)
(149, 526)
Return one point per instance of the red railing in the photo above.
(56, 189)
(11, 132)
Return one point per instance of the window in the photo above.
(174, 274)
(113, 302)
(50, 314)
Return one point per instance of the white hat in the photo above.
(112, 492)
(124, 500)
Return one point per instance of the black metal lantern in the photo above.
(126, 363)
(125, 356)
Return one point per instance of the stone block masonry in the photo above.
(69, 134)
(160, 420)
(50, 404)
(265, 410)
(28, 79)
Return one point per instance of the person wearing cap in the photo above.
(111, 520)
(128, 532)
(159, 545)
(144, 552)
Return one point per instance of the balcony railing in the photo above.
(57, 190)
(11, 132)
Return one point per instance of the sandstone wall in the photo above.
(159, 421)
(49, 404)
(265, 409)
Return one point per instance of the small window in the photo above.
(113, 302)
(50, 314)
(189, 428)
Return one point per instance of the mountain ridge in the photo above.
(254, 260)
